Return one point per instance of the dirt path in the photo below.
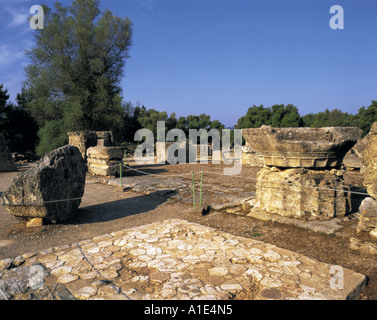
(105, 209)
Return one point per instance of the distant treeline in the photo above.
(26, 135)
(288, 116)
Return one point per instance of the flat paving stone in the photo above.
(184, 261)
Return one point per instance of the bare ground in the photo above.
(105, 209)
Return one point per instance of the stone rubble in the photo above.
(173, 259)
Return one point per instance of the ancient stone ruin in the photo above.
(353, 161)
(104, 159)
(86, 139)
(249, 157)
(368, 208)
(51, 191)
(369, 158)
(301, 176)
(82, 140)
(6, 160)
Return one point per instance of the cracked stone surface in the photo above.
(174, 259)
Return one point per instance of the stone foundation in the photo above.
(104, 161)
(303, 193)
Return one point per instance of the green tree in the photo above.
(197, 122)
(148, 119)
(366, 117)
(5, 110)
(276, 116)
(76, 70)
(333, 118)
(285, 116)
(16, 124)
(130, 121)
(255, 117)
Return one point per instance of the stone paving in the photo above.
(173, 259)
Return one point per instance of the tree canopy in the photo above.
(76, 70)
(16, 124)
(288, 116)
(276, 116)
(140, 117)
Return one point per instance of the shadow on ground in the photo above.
(119, 209)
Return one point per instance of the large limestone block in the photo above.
(104, 161)
(105, 153)
(367, 215)
(369, 158)
(352, 162)
(302, 193)
(302, 147)
(107, 169)
(6, 160)
(354, 157)
(42, 191)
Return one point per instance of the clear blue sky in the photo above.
(220, 57)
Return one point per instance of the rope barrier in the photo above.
(190, 174)
(289, 184)
(160, 175)
(248, 178)
(41, 204)
(254, 179)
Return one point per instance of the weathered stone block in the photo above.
(353, 158)
(6, 160)
(82, 140)
(104, 161)
(369, 158)
(302, 147)
(367, 215)
(303, 193)
(352, 162)
(36, 222)
(105, 153)
(51, 190)
(86, 139)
